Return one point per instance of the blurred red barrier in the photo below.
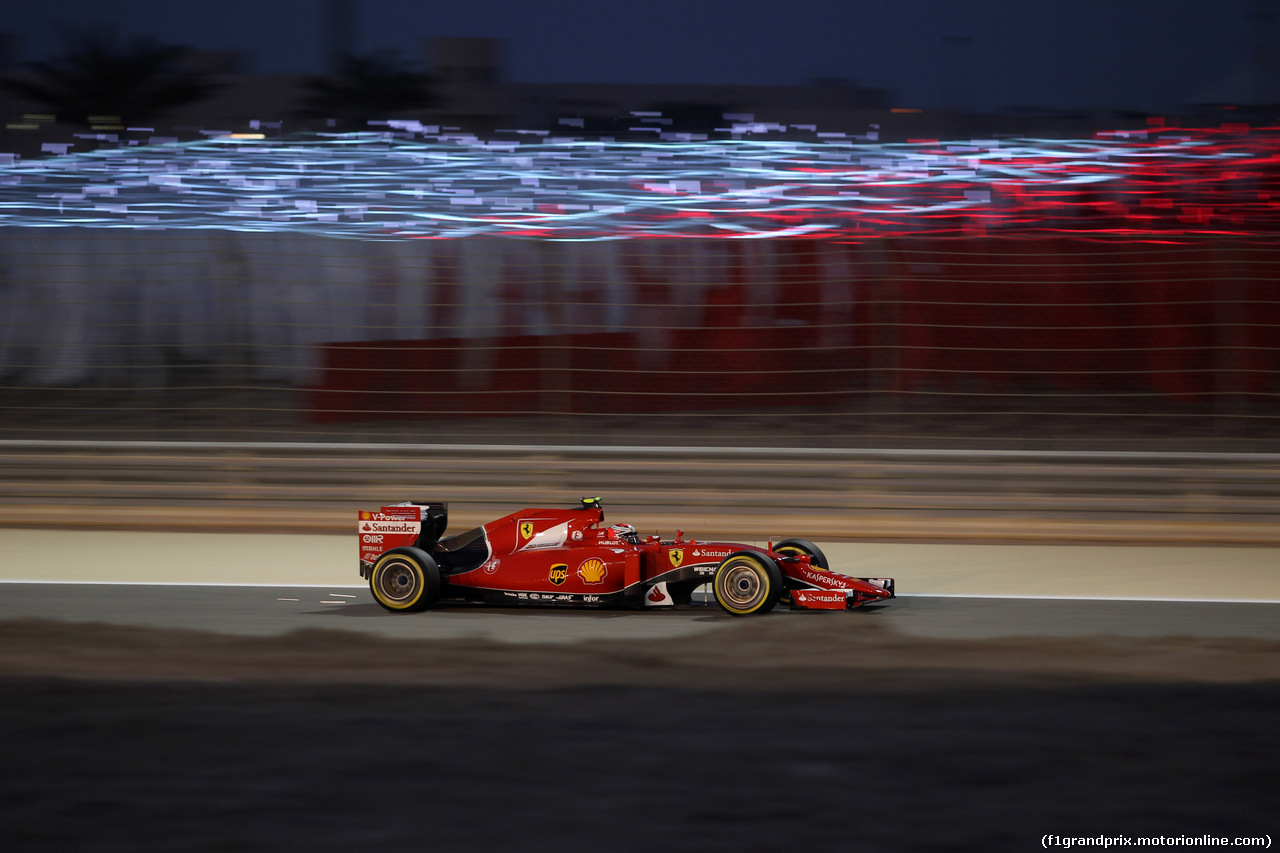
(733, 326)
(590, 373)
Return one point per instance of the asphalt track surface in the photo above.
(265, 611)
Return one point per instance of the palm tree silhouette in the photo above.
(369, 86)
(100, 76)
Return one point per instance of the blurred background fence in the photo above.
(746, 493)
(1017, 341)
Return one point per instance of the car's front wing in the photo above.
(818, 589)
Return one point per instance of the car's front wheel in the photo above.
(404, 580)
(817, 559)
(746, 583)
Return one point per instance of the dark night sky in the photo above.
(1142, 54)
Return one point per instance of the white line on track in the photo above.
(1090, 598)
(189, 583)
(900, 595)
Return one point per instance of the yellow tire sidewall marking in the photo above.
(409, 561)
(764, 576)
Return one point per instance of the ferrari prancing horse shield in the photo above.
(526, 530)
(676, 555)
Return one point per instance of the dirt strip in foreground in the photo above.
(821, 651)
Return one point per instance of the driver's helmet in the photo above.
(625, 533)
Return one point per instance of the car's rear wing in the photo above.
(411, 523)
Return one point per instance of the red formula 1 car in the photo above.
(569, 557)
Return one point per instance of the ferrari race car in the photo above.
(568, 557)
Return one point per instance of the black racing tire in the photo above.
(404, 580)
(817, 559)
(747, 583)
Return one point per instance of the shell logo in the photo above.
(593, 571)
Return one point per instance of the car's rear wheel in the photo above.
(746, 583)
(405, 580)
(817, 559)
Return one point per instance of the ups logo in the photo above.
(676, 556)
(526, 530)
(558, 574)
